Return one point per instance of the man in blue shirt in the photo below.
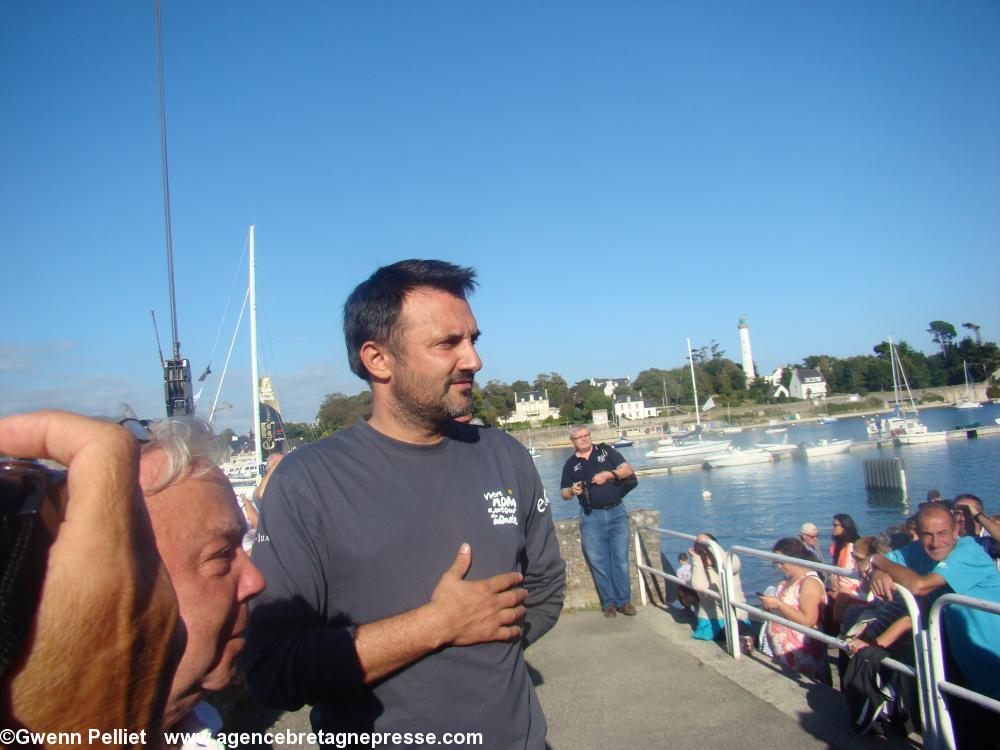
(592, 474)
(941, 562)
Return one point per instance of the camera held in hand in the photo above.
(585, 497)
(31, 509)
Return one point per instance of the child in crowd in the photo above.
(684, 568)
(686, 595)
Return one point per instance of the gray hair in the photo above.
(190, 447)
(577, 428)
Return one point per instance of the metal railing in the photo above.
(945, 737)
(928, 669)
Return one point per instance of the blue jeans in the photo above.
(604, 535)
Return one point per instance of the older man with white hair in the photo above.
(199, 531)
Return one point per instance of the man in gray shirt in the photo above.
(411, 557)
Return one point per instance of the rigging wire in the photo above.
(225, 367)
(229, 301)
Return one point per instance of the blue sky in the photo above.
(622, 175)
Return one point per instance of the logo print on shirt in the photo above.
(543, 502)
(502, 507)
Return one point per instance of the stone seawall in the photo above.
(581, 592)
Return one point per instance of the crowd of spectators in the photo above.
(948, 546)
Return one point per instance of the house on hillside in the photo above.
(807, 383)
(635, 407)
(532, 407)
(610, 385)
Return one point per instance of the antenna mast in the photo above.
(176, 371)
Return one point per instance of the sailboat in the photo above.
(905, 426)
(533, 451)
(729, 428)
(968, 401)
(697, 446)
(246, 467)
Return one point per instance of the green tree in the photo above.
(943, 334)
(557, 387)
(595, 401)
(339, 411)
(301, 430)
(520, 386)
(975, 330)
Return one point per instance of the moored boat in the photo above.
(690, 449)
(921, 438)
(826, 448)
(778, 449)
(904, 427)
(737, 457)
(968, 400)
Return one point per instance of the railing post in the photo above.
(724, 561)
(643, 597)
(928, 692)
(945, 737)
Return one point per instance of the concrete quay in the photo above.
(641, 682)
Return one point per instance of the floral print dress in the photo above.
(797, 650)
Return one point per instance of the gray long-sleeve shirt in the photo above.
(359, 527)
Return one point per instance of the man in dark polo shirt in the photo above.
(592, 475)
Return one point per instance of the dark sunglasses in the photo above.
(138, 428)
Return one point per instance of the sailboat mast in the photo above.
(694, 385)
(258, 448)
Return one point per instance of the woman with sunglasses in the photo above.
(842, 590)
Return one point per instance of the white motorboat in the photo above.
(922, 438)
(776, 430)
(827, 419)
(737, 457)
(826, 448)
(690, 449)
(778, 449)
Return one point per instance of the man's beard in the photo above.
(421, 402)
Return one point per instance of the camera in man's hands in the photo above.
(31, 509)
(585, 497)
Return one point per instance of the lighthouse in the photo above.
(745, 350)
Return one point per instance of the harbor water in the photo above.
(757, 504)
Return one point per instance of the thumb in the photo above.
(463, 561)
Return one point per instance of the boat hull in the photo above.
(689, 450)
(778, 449)
(921, 438)
(831, 448)
(739, 458)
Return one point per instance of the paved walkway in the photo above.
(641, 682)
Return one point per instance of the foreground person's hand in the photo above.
(105, 639)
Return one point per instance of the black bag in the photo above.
(629, 483)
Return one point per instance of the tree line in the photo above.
(716, 375)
